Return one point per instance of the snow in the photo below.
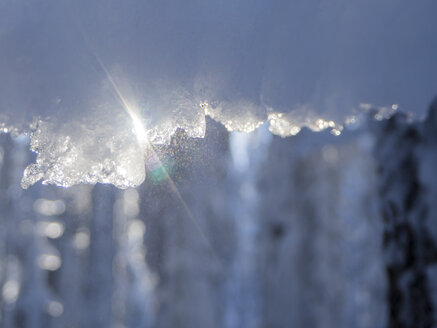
(72, 71)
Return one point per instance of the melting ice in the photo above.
(69, 68)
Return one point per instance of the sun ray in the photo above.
(144, 142)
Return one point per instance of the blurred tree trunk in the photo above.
(407, 167)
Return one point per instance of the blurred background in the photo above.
(232, 230)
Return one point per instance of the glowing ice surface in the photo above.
(71, 69)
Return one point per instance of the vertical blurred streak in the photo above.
(100, 266)
(407, 159)
(320, 260)
(5, 178)
(190, 289)
(27, 245)
(6, 149)
(19, 249)
(72, 276)
(249, 152)
(133, 296)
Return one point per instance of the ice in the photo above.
(106, 152)
(72, 70)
